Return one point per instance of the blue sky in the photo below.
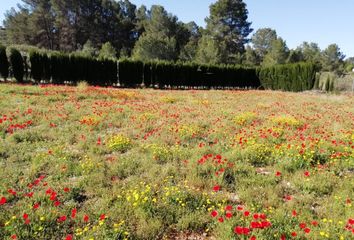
(320, 21)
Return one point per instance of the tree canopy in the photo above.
(114, 29)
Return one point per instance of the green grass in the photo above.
(95, 163)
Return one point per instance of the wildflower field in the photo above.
(96, 163)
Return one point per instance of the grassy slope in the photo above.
(144, 164)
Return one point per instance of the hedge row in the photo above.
(74, 68)
(290, 77)
(59, 68)
(178, 75)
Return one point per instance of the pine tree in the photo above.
(228, 26)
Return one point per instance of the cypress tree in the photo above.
(36, 65)
(17, 65)
(4, 63)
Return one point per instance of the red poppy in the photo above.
(69, 237)
(73, 213)
(12, 192)
(49, 191)
(288, 198)
(307, 230)
(2, 201)
(265, 224)
(294, 234)
(221, 220)
(214, 213)
(238, 230)
(253, 238)
(102, 217)
(278, 174)
(216, 188)
(86, 218)
(239, 208)
(246, 213)
(241, 230)
(36, 206)
(27, 221)
(13, 236)
(307, 174)
(228, 208)
(53, 196)
(56, 203)
(29, 194)
(228, 215)
(302, 225)
(255, 225)
(246, 231)
(294, 213)
(66, 189)
(62, 219)
(25, 216)
(314, 223)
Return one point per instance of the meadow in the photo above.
(103, 163)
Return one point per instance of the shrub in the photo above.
(17, 65)
(4, 63)
(119, 143)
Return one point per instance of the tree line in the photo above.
(114, 29)
(61, 68)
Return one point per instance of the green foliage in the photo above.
(189, 51)
(155, 47)
(162, 37)
(63, 68)
(332, 58)
(37, 66)
(186, 75)
(277, 54)
(107, 52)
(251, 58)
(130, 73)
(17, 64)
(295, 56)
(67, 25)
(210, 51)
(4, 63)
(349, 64)
(88, 50)
(262, 41)
(288, 77)
(327, 81)
(3, 37)
(76, 68)
(317, 81)
(311, 52)
(228, 25)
